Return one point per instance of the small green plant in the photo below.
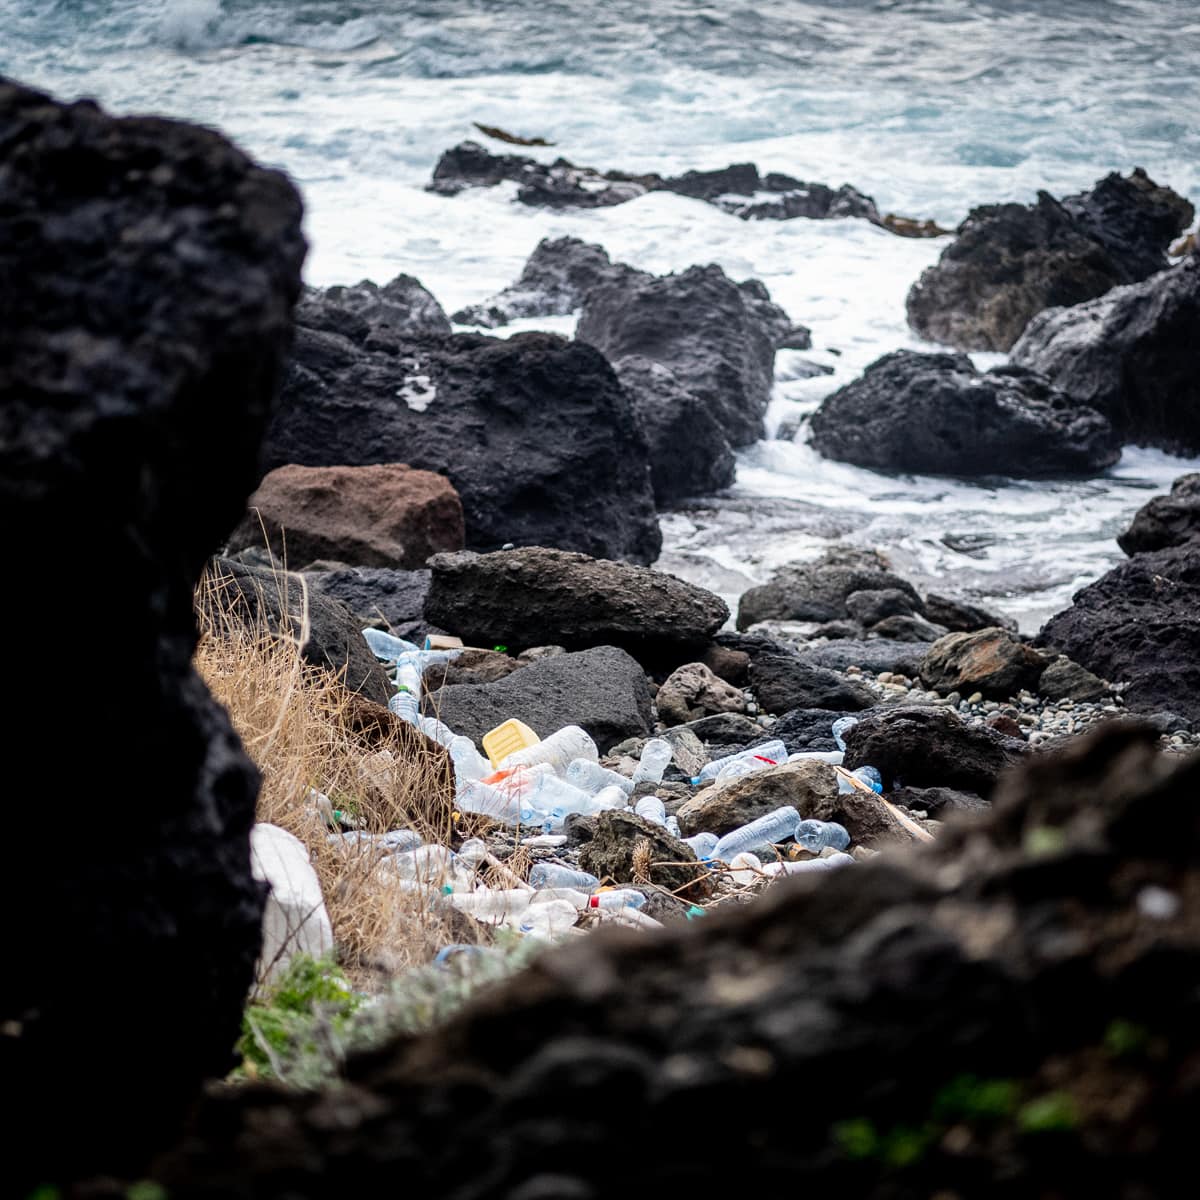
(969, 1098)
(899, 1147)
(1125, 1039)
(1054, 1112)
(857, 1138)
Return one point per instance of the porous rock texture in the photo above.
(991, 661)
(387, 515)
(936, 414)
(532, 596)
(1011, 261)
(147, 275)
(535, 433)
(1131, 354)
(1140, 625)
(1167, 520)
(1010, 1012)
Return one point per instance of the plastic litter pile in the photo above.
(533, 784)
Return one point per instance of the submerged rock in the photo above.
(148, 273)
(1131, 355)
(531, 596)
(535, 433)
(1140, 624)
(1011, 261)
(936, 414)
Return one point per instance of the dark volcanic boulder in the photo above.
(690, 454)
(554, 281)
(935, 413)
(376, 594)
(534, 596)
(1131, 354)
(817, 590)
(380, 516)
(783, 682)
(1167, 520)
(991, 661)
(612, 851)
(809, 728)
(960, 617)
(402, 307)
(874, 654)
(930, 747)
(469, 165)
(283, 603)
(717, 338)
(602, 689)
(1011, 261)
(1140, 624)
(536, 433)
(1010, 1012)
(147, 275)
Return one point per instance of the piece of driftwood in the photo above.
(502, 135)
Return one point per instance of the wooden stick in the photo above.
(906, 823)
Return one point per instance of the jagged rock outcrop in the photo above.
(1167, 520)
(147, 274)
(1131, 354)
(935, 413)
(1011, 261)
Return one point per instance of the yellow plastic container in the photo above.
(507, 739)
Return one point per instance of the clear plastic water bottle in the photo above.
(592, 777)
(672, 825)
(428, 863)
(814, 836)
(702, 844)
(387, 646)
(469, 765)
(833, 757)
(651, 808)
(438, 730)
(548, 922)
(609, 797)
(617, 898)
(560, 749)
(499, 803)
(775, 827)
(406, 705)
(492, 906)
(840, 728)
(656, 757)
(868, 775)
(739, 768)
(552, 799)
(808, 866)
(555, 875)
(771, 752)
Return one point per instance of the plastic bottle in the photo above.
(651, 808)
(393, 841)
(438, 730)
(469, 765)
(868, 775)
(738, 768)
(386, 645)
(484, 904)
(406, 705)
(559, 750)
(672, 825)
(617, 898)
(501, 804)
(766, 831)
(702, 844)
(555, 875)
(547, 921)
(814, 836)
(656, 757)
(840, 728)
(428, 863)
(744, 869)
(609, 797)
(829, 863)
(773, 752)
(833, 757)
(592, 777)
(552, 799)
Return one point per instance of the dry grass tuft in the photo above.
(305, 731)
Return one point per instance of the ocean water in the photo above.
(931, 106)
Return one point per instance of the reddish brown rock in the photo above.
(991, 661)
(388, 515)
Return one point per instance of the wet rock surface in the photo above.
(1131, 355)
(149, 269)
(1167, 520)
(1009, 262)
(990, 661)
(936, 414)
(535, 433)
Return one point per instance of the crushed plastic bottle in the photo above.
(559, 750)
(387, 646)
(499, 803)
(592, 777)
(547, 922)
(840, 728)
(739, 768)
(771, 752)
(702, 844)
(833, 757)
(492, 906)
(555, 875)
(552, 799)
(868, 775)
(766, 831)
(814, 836)
(656, 757)
(651, 808)
(807, 866)
(672, 825)
(438, 730)
(609, 797)
(428, 864)
(469, 765)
